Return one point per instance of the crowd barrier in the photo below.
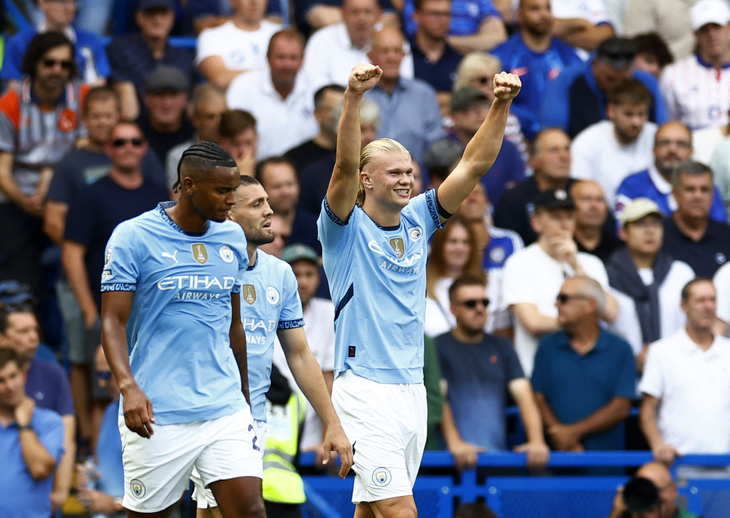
(439, 489)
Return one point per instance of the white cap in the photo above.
(710, 11)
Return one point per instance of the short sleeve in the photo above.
(50, 431)
(7, 134)
(539, 372)
(652, 382)
(206, 46)
(721, 280)
(513, 369)
(516, 286)
(330, 228)
(121, 267)
(291, 305)
(626, 380)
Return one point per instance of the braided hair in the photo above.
(203, 156)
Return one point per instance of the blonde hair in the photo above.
(376, 149)
(471, 64)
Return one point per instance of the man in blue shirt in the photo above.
(31, 445)
(270, 309)
(375, 242)
(173, 337)
(584, 377)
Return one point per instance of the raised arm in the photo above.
(115, 309)
(345, 181)
(483, 148)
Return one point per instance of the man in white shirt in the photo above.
(238, 45)
(533, 276)
(686, 383)
(610, 150)
(280, 97)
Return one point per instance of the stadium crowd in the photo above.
(587, 272)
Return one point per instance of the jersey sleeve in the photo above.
(331, 229)
(121, 264)
(291, 305)
(652, 381)
(49, 428)
(206, 46)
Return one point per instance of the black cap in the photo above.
(554, 199)
(640, 495)
(165, 77)
(145, 5)
(617, 52)
(464, 97)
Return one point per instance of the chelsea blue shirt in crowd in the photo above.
(377, 278)
(177, 332)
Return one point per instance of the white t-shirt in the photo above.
(721, 280)
(319, 328)
(598, 155)
(240, 50)
(671, 316)
(281, 123)
(532, 276)
(704, 143)
(694, 389)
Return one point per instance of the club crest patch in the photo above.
(226, 253)
(137, 487)
(415, 233)
(272, 295)
(200, 253)
(381, 477)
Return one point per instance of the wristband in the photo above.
(25, 427)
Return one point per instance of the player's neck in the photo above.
(382, 215)
(251, 249)
(185, 217)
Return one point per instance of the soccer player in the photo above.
(374, 241)
(271, 307)
(170, 296)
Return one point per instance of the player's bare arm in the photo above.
(115, 309)
(237, 337)
(482, 150)
(308, 376)
(344, 184)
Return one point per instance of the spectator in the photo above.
(312, 15)
(49, 108)
(280, 97)
(469, 107)
(535, 54)
(584, 376)
(720, 164)
(551, 161)
(237, 129)
(670, 19)
(31, 443)
(584, 25)
(455, 252)
(577, 97)
(236, 47)
(279, 179)
(646, 281)
(707, 140)
(595, 227)
(87, 49)
(134, 56)
(610, 150)
(695, 87)
(480, 370)
(652, 54)
(164, 124)
(45, 382)
(319, 317)
(207, 104)
(721, 280)
(323, 145)
(682, 369)
(690, 235)
(409, 111)
(533, 276)
(672, 146)
(434, 60)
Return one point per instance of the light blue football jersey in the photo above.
(377, 279)
(269, 302)
(178, 328)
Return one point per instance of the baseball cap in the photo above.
(299, 252)
(165, 77)
(554, 199)
(144, 5)
(464, 97)
(640, 494)
(617, 52)
(709, 11)
(639, 208)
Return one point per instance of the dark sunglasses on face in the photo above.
(50, 63)
(121, 142)
(563, 297)
(472, 303)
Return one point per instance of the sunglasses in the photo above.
(121, 142)
(564, 297)
(50, 63)
(472, 303)
(104, 375)
(482, 80)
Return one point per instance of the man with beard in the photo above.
(534, 53)
(672, 145)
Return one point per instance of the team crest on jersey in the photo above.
(381, 477)
(415, 233)
(249, 293)
(497, 254)
(67, 120)
(226, 253)
(200, 253)
(137, 487)
(397, 244)
(272, 295)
